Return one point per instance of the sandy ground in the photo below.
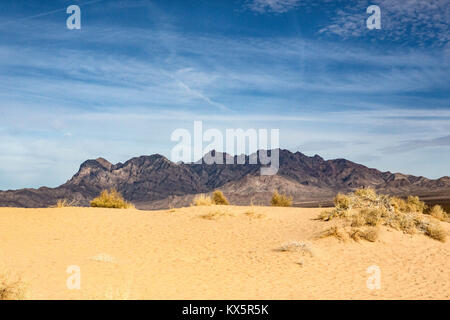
(131, 254)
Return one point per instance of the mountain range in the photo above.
(154, 182)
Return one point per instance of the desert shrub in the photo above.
(202, 200)
(398, 204)
(216, 214)
(297, 246)
(372, 217)
(435, 231)
(334, 231)
(11, 289)
(251, 213)
(281, 200)
(370, 234)
(64, 203)
(111, 199)
(413, 204)
(358, 220)
(406, 223)
(366, 193)
(219, 198)
(341, 201)
(378, 209)
(438, 213)
(326, 215)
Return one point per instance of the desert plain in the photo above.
(212, 252)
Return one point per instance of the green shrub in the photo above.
(281, 200)
(111, 199)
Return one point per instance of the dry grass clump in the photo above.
(336, 232)
(434, 230)
(11, 289)
(297, 246)
(219, 198)
(64, 203)
(342, 202)
(372, 217)
(111, 199)
(216, 214)
(281, 200)
(438, 213)
(413, 204)
(370, 234)
(251, 213)
(364, 207)
(202, 200)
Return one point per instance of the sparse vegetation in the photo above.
(297, 246)
(64, 203)
(216, 214)
(202, 200)
(111, 199)
(435, 231)
(364, 207)
(438, 213)
(370, 234)
(219, 198)
(281, 200)
(11, 289)
(251, 213)
(334, 231)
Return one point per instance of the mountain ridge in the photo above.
(155, 182)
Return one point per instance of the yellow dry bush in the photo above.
(366, 193)
(111, 199)
(219, 198)
(334, 231)
(342, 202)
(435, 231)
(64, 203)
(438, 213)
(281, 200)
(372, 217)
(11, 289)
(370, 234)
(413, 204)
(202, 200)
(357, 220)
(394, 212)
(399, 204)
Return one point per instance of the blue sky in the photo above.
(137, 70)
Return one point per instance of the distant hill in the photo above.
(154, 182)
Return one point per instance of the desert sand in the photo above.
(217, 252)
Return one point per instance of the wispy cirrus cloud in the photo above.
(411, 145)
(409, 21)
(275, 6)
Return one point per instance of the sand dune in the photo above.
(211, 253)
